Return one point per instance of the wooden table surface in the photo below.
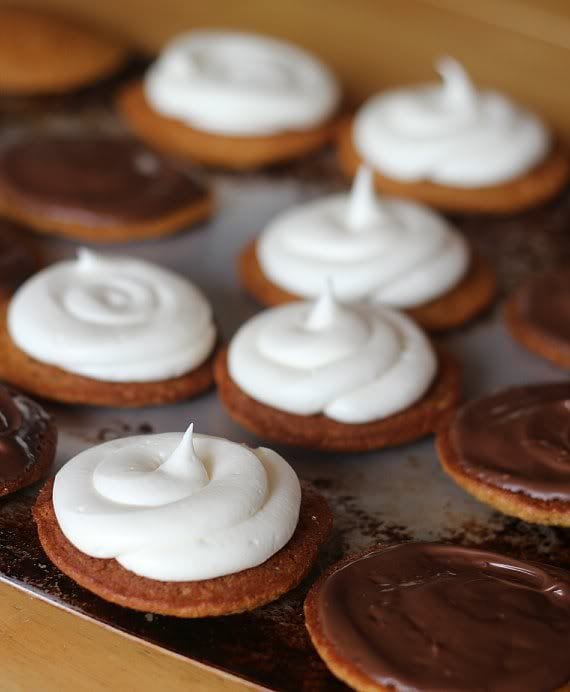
(521, 46)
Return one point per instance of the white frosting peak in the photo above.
(449, 133)
(176, 507)
(240, 84)
(184, 463)
(361, 364)
(364, 206)
(458, 89)
(383, 250)
(112, 318)
(324, 310)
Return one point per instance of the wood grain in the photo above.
(519, 46)
(48, 649)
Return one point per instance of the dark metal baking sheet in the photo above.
(391, 495)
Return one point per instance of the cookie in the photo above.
(240, 153)
(469, 298)
(537, 315)
(455, 147)
(97, 188)
(43, 53)
(509, 450)
(108, 331)
(18, 258)
(28, 436)
(422, 616)
(233, 99)
(336, 378)
(291, 550)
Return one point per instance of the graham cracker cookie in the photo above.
(233, 593)
(239, 153)
(536, 187)
(325, 434)
(471, 296)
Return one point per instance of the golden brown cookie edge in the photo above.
(471, 296)
(239, 153)
(537, 186)
(233, 593)
(325, 434)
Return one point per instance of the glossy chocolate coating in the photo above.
(544, 303)
(426, 616)
(23, 425)
(17, 260)
(93, 180)
(518, 440)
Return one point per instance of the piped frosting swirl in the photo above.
(176, 507)
(452, 133)
(373, 248)
(112, 318)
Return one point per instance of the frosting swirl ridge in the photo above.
(240, 84)
(176, 507)
(354, 364)
(112, 318)
(452, 134)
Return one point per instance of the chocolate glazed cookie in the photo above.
(27, 441)
(97, 188)
(427, 616)
(511, 450)
(538, 316)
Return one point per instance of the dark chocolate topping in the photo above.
(93, 180)
(17, 260)
(544, 302)
(518, 440)
(23, 424)
(425, 616)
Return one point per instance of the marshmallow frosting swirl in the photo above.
(354, 364)
(240, 84)
(385, 250)
(112, 318)
(176, 507)
(450, 134)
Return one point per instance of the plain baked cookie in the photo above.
(320, 432)
(470, 297)
(510, 451)
(97, 188)
(233, 593)
(429, 616)
(537, 315)
(42, 52)
(535, 187)
(28, 439)
(240, 153)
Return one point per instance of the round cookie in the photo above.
(510, 450)
(322, 433)
(28, 440)
(431, 616)
(537, 315)
(50, 382)
(259, 543)
(18, 258)
(470, 297)
(239, 153)
(537, 186)
(108, 331)
(43, 53)
(97, 188)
